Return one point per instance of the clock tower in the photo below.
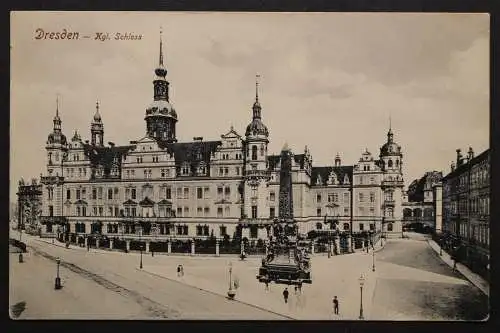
(160, 115)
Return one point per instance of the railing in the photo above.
(258, 173)
(51, 179)
(53, 219)
(392, 183)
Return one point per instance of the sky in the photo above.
(330, 81)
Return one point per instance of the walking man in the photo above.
(335, 305)
(267, 285)
(178, 270)
(285, 295)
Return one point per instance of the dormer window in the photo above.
(185, 169)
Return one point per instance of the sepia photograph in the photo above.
(249, 166)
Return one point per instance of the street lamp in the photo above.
(140, 240)
(230, 292)
(20, 253)
(361, 283)
(373, 261)
(58, 279)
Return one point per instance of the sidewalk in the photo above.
(474, 278)
(335, 276)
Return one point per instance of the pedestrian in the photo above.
(178, 270)
(285, 295)
(454, 264)
(300, 288)
(296, 289)
(182, 270)
(267, 285)
(335, 305)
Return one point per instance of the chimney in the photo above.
(337, 160)
(459, 158)
(452, 166)
(470, 154)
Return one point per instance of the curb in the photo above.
(477, 285)
(217, 294)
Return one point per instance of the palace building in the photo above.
(157, 186)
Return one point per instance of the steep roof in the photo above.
(191, 152)
(274, 160)
(324, 173)
(104, 155)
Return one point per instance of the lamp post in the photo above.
(20, 253)
(57, 284)
(140, 240)
(373, 261)
(361, 283)
(230, 292)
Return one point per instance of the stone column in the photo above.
(111, 244)
(337, 245)
(127, 242)
(217, 248)
(192, 247)
(147, 247)
(169, 247)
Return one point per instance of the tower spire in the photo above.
(57, 105)
(161, 47)
(257, 76)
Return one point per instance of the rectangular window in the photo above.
(186, 193)
(372, 211)
(206, 192)
(272, 196)
(199, 230)
(361, 226)
(272, 212)
(219, 211)
(179, 211)
(237, 171)
(68, 194)
(179, 193)
(346, 211)
(223, 230)
(179, 230)
(253, 231)
(362, 211)
(346, 197)
(227, 211)
(318, 211)
(318, 198)
(199, 211)
(199, 193)
(219, 191)
(227, 192)
(169, 193)
(94, 194)
(372, 180)
(84, 192)
(110, 211)
(134, 194)
(372, 226)
(335, 197)
(361, 197)
(110, 194)
(77, 194)
(117, 211)
(186, 211)
(77, 211)
(207, 211)
(372, 196)
(254, 212)
(100, 211)
(99, 193)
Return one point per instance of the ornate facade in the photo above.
(466, 208)
(230, 186)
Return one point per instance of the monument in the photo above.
(285, 262)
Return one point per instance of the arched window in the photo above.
(261, 150)
(397, 163)
(407, 212)
(254, 152)
(389, 164)
(389, 227)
